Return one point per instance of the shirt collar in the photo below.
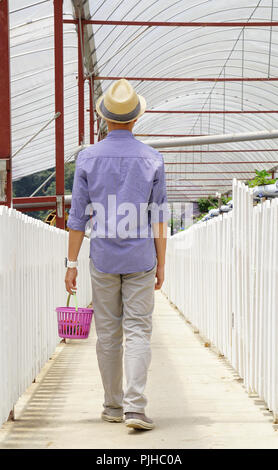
(119, 133)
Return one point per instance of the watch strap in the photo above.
(71, 264)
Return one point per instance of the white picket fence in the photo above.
(222, 275)
(31, 286)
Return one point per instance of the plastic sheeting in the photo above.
(32, 84)
(153, 52)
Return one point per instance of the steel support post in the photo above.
(59, 107)
(5, 109)
(98, 129)
(92, 116)
(80, 84)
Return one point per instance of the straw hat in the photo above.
(121, 103)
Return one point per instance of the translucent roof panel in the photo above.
(32, 84)
(155, 52)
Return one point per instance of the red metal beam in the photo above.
(37, 208)
(171, 196)
(195, 187)
(209, 112)
(170, 135)
(92, 117)
(216, 179)
(192, 197)
(98, 124)
(80, 86)
(195, 193)
(185, 199)
(198, 186)
(5, 103)
(192, 79)
(198, 194)
(34, 199)
(59, 107)
(191, 190)
(211, 172)
(188, 198)
(221, 163)
(219, 151)
(232, 24)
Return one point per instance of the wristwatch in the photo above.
(70, 264)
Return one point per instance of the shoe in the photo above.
(111, 419)
(138, 421)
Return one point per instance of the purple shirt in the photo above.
(111, 174)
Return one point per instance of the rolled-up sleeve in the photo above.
(78, 214)
(158, 200)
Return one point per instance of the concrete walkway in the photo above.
(195, 399)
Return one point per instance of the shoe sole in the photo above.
(138, 424)
(112, 419)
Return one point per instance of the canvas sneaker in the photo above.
(138, 421)
(111, 419)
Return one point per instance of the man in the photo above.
(123, 180)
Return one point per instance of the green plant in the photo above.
(260, 179)
(205, 204)
(225, 200)
(199, 218)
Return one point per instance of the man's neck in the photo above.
(119, 129)
(113, 126)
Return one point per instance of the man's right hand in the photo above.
(159, 277)
(70, 280)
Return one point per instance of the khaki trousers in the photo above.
(123, 303)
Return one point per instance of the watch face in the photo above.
(66, 262)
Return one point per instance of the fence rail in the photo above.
(32, 286)
(222, 275)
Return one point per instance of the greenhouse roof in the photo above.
(212, 95)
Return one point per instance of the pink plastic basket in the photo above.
(74, 322)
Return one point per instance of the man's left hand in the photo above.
(159, 277)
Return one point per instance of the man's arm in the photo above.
(77, 220)
(75, 242)
(159, 219)
(160, 240)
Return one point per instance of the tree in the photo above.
(28, 184)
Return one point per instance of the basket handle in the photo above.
(75, 301)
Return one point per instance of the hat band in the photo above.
(120, 117)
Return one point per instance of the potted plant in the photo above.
(261, 179)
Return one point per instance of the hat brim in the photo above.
(143, 106)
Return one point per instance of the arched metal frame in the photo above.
(149, 48)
